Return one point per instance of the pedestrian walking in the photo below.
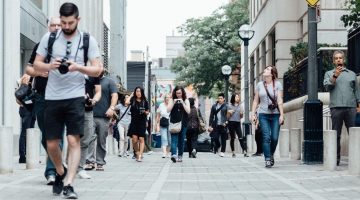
(179, 108)
(139, 110)
(269, 97)
(64, 93)
(235, 113)
(258, 138)
(123, 124)
(192, 131)
(162, 126)
(344, 96)
(218, 124)
(92, 96)
(40, 82)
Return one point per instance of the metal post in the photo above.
(313, 124)
(247, 123)
(226, 88)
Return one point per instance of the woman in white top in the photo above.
(123, 124)
(162, 126)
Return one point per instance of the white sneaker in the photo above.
(50, 180)
(221, 154)
(149, 152)
(82, 174)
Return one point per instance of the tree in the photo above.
(353, 18)
(212, 43)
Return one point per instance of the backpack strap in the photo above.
(51, 41)
(86, 41)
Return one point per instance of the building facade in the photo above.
(280, 24)
(22, 24)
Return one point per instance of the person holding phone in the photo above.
(344, 91)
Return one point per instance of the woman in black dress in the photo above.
(139, 111)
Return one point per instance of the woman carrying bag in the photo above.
(269, 97)
(162, 126)
(194, 119)
(179, 108)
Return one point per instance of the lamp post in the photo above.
(246, 33)
(226, 71)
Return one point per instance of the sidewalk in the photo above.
(208, 177)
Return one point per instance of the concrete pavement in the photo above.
(207, 177)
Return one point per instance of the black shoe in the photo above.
(272, 161)
(22, 159)
(58, 184)
(268, 164)
(256, 154)
(245, 154)
(69, 192)
(338, 163)
(173, 159)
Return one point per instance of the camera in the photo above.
(64, 66)
(178, 101)
(272, 107)
(88, 102)
(141, 110)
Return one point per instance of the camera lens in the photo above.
(64, 66)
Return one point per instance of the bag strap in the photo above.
(124, 113)
(86, 39)
(270, 97)
(216, 112)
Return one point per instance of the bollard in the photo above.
(284, 143)
(330, 147)
(32, 147)
(6, 150)
(354, 149)
(295, 143)
(249, 143)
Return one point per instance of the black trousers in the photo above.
(27, 121)
(235, 128)
(258, 140)
(338, 117)
(220, 134)
(191, 139)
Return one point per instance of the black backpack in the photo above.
(52, 38)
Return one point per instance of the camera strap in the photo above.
(270, 97)
(124, 113)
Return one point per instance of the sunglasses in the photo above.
(68, 48)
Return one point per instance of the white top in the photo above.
(163, 111)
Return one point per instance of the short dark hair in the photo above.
(221, 95)
(69, 9)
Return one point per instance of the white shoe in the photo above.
(50, 180)
(149, 152)
(82, 174)
(221, 154)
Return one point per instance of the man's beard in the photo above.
(69, 31)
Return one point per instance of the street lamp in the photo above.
(245, 34)
(226, 71)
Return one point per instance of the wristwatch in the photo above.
(334, 76)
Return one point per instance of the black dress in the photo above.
(138, 118)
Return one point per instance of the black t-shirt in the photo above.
(40, 82)
(90, 83)
(137, 109)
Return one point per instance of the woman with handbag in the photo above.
(179, 108)
(234, 114)
(269, 97)
(193, 129)
(123, 124)
(162, 126)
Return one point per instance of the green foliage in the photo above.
(353, 18)
(212, 43)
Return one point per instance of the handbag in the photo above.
(175, 127)
(202, 126)
(25, 94)
(164, 122)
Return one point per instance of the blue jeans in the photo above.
(39, 109)
(177, 142)
(270, 126)
(165, 136)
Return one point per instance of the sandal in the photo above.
(99, 168)
(89, 166)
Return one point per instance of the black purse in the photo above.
(164, 122)
(25, 95)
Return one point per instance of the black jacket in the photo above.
(213, 116)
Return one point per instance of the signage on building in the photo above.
(312, 3)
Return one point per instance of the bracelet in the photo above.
(334, 76)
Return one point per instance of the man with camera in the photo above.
(218, 124)
(344, 96)
(64, 94)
